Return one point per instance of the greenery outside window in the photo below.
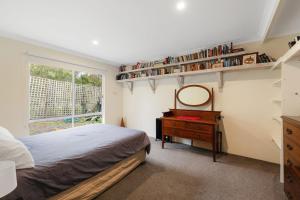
(61, 98)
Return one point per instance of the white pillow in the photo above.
(14, 150)
(5, 134)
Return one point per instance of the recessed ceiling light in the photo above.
(95, 42)
(180, 5)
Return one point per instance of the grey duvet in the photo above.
(67, 157)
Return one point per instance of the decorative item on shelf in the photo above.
(237, 50)
(158, 63)
(122, 68)
(250, 58)
(217, 64)
(293, 42)
(176, 70)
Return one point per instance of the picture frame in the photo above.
(250, 58)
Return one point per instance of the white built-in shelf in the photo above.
(293, 54)
(277, 83)
(205, 71)
(277, 64)
(277, 141)
(277, 100)
(277, 119)
(186, 62)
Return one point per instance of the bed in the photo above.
(79, 163)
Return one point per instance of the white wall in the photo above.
(245, 102)
(14, 76)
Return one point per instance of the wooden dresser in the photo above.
(291, 148)
(196, 124)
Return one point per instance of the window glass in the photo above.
(88, 89)
(61, 98)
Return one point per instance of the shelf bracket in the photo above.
(130, 86)
(220, 80)
(180, 80)
(152, 84)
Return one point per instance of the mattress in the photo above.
(92, 187)
(67, 157)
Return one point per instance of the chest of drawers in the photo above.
(203, 128)
(291, 148)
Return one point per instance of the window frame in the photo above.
(73, 68)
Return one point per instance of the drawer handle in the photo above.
(289, 179)
(289, 162)
(289, 195)
(289, 131)
(289, 147)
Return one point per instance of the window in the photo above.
(61, 98)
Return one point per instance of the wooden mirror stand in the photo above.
(194, 124)
(210, 98)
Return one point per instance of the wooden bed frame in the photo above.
(92, 187)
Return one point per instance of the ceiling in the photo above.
(287, 19)
(140, 30)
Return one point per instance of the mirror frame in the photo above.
(194, 105)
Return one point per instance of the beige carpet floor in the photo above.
(183, 172)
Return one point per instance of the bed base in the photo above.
(92, 187)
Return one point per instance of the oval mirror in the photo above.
(193, 95)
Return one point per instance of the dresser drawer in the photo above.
(187, 125)
(291, 148)
(192, 135)
(292, 132)
(290, 193)
(292, 163)
(291, 184)
(168, 131)
(198, 127)
(174, 124)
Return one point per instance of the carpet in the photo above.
(183, 172)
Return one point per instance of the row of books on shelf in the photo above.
(139, 65)
(205, 53)
(264, 58)
(225, 62)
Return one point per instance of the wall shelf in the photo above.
(277, 83)
(180, 76)
(277, 119)
(293, 54)
(205, 71)
(289, 65)
(186, 62)
(277, 141)
(276, 100)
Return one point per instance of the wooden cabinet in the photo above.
(203, 127)
(291, 148)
